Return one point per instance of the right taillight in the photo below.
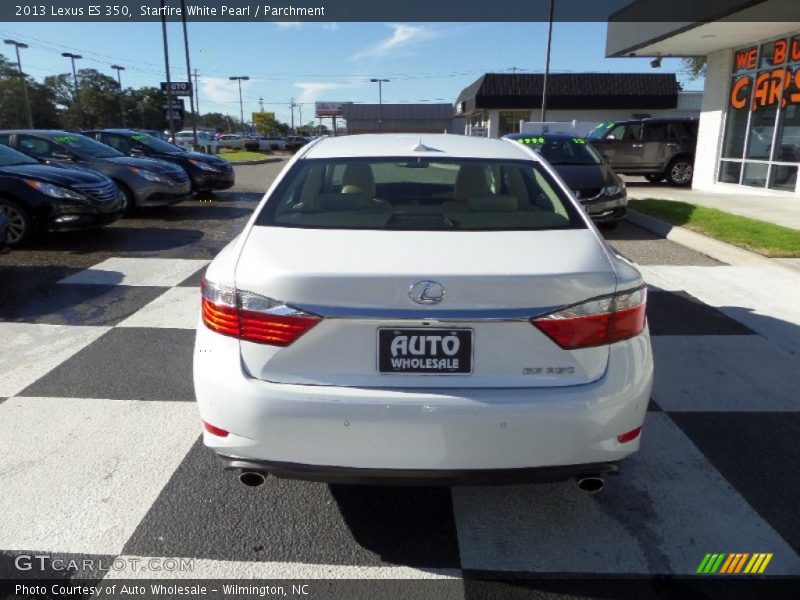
(597, 322)
(252, 317)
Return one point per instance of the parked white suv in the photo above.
(205, 142)
(437, 309)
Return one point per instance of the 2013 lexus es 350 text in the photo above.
(421, 309)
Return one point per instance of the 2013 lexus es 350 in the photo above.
(421, 309)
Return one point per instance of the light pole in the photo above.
(547, 62)
(73, 57)
(188, 68)
(380, 83)
(240, 79)
(19, 45)
(118, 68)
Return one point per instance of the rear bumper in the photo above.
(310, 431)
(351, 475)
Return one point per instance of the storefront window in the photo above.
(738, 113)
(477, 125)
(510, 119)
(729, 171)
(761, 141)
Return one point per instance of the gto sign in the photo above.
(778, 86)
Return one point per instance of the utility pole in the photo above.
(118, 68)
(240, 79)
(22, 81)
(73, 58)
(380, 83)
(292, 105)
(196, 93)
(169, 79)
(300, 113)
(188, 69)
(547, 63)
(261, 103)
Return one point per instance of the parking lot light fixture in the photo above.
(380, 83)
(240, 79)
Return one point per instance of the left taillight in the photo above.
(597, 322)
(252, 317)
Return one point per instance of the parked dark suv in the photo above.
(657, 148)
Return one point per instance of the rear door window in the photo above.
(419, 194)
(37, 147)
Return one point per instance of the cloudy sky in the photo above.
(328, 61)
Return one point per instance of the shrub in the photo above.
(251, 145)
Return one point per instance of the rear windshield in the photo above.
(419, 194)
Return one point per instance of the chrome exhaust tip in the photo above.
(251, 478)
(590, 484)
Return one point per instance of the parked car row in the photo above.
(54, 180)
(657, 148)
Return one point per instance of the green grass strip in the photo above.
(764, 238)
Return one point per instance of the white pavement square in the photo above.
(661, 515)
(177, 308)
(29, 351)
(157, 272)
(78, 475)
(724, 373)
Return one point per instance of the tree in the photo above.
(695, 67)
(12, 100)
(265, 122)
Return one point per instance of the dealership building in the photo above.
(749, 133)
(496, 103)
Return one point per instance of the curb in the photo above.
(721, 251)
(260, 161)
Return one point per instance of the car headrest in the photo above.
(358, 179)
(471, 181)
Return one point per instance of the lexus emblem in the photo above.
(426, 292)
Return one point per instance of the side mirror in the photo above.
(610, 138)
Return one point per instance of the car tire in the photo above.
(654, 177)
(20, 225)
(130, 202)
(680, 171)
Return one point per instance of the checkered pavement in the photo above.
(102, 454)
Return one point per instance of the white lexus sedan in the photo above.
(431, 310)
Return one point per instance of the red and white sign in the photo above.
(329, 109)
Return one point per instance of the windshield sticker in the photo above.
(65, 139)
(139, 137)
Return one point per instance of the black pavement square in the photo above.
(653, 406)
(678, 313)
(99, 305)
(194, 279)
(126, 363)
(294, 521)
(759, 455)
